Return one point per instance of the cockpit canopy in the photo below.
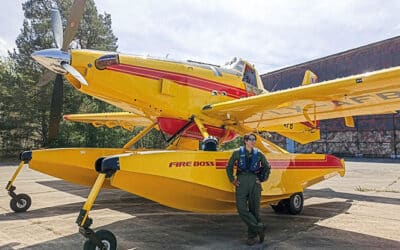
(236, 64)
(248, 72)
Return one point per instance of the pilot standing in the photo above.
(252, 169)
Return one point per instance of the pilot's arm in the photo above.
(265, 169)
(229, 167)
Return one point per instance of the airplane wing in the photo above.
(124, 119)
(370, 93)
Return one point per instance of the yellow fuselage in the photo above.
(156, 88)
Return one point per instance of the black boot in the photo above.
(251, 241)
(261, 234)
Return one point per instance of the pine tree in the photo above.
(25, 107)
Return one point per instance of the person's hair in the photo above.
(247, 136)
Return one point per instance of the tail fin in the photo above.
(309, 77)
(301, 132)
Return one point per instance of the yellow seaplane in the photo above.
(198, 106)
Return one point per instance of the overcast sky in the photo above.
(270, 34)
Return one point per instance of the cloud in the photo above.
(4, 47)
(10, 24)
(270, 34)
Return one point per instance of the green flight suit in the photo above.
(248, 193)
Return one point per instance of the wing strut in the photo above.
(201, 127)
(209, 143)
(306, 108)
(140, 135)
(179, 132)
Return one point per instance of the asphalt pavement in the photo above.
(358, 211)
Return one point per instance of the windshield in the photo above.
(235, 64)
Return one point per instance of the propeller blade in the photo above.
(56, 108)
(56, 26)
(74, 73)
(73, 22)
(46, 77)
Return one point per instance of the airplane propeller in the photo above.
(73, 22)
(56, 26)
(74, 73)
(57, 60)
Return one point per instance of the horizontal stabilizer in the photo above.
(299, 132)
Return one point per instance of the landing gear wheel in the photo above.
(104, 236)
(280, 208)
(20, 203)
(295, 203)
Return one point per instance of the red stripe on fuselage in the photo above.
(329, 162)
(219, 164)
(182, 79)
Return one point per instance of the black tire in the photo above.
(280, 208)
(295, 203)
(20, 203)
(104, 236)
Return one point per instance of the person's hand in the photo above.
(236, 183)
(259, 183)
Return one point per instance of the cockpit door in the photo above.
(250, 78)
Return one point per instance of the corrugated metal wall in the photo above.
(373, 136)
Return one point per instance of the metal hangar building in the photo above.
(372, 136)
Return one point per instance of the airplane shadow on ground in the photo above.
(108, 198)
(128, 203)
(154, 226)
(329, 193)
